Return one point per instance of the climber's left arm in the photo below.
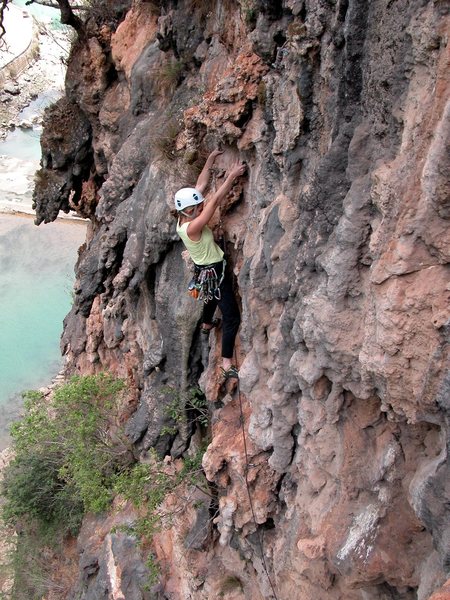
(203, 178)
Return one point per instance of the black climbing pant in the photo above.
(230, 312)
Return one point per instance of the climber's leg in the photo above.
(231, 320)
(208, 313)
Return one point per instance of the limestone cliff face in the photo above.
(339, 241)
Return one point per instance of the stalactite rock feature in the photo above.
(338, 242)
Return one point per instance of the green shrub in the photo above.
(71, 457)
(249, 12)
(36, 492)
(102, 12)
(191, 408)
(146, 485)
(67, 452)
(32, 571)
(230, 584)
(153, 570)
(262, 93)
(168, 75)
(164, 140)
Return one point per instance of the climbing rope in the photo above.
(247, 485)
(247, 463)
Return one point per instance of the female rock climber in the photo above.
(211, 278)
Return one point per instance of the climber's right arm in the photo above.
(195, 227)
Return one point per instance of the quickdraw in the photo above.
(282, 52)
(205, 284)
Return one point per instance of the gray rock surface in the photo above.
(338, 239)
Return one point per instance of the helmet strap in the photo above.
(192, 215)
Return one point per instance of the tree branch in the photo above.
(55, 4)
(3, 6)
(67, 15)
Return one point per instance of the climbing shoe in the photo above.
(215, 323)
(231, 373)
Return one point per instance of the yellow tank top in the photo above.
(203, 252)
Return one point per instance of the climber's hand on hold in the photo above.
(214, 154)
(236, 170)
(195, 227)
(203, 178)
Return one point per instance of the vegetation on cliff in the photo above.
(67, 454)
(70, 458)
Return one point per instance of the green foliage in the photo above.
(67, 453)
(196, 401)
(153, 569)
(168, 75)
(192, 469)
(163, 142)
(250, 16)
(103, 12)
(262, 93)
(32, 572)
(191, 407)
(249, 12)
(146, 485)
(230, 584)
(36, 492)
(70, 457)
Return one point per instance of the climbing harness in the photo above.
(205, 285)
(192, 288)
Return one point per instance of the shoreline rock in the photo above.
(46, 73)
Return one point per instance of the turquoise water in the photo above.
(36, 267)
(36, 277)
(43, 13)
(26, 143)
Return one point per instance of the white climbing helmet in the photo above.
(187, 197)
